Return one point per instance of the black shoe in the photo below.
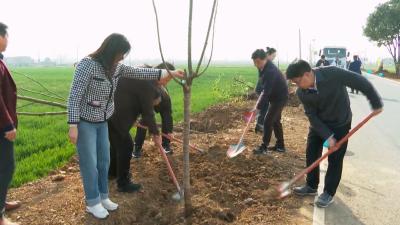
(167, 149)
(260, 150)
(277, 149)
(324, 200)
(129, 187)
(137, 152)
(305, 190)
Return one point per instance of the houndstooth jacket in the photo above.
(92, 94)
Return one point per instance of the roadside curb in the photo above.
(374, 75)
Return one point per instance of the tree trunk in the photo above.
(397, 63)
(186, 136)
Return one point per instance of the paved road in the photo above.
(369, 192)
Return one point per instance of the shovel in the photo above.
(178, 195)
(283, 190)
(235, 150)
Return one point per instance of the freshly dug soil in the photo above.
(224, 191)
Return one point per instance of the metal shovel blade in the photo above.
(178, 196)
(235, 150)
(283, 190)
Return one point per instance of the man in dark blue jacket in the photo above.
(276, 94)
(355, 67)
(322, 62)
(327, 106)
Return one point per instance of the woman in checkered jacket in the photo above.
(90, 105)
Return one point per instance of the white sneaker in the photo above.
(109, 205)
(97, 211)
(5, 221)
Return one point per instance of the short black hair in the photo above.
(259, 54)
(3, 29)
(168, 65)
(322, 56)
(297, 69)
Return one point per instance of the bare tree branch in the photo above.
(210, 23)
(39, 93)
(159, 45)
(388, 45)
(40, 84)
(212, 44)
(190, 66)
(42, 114)
(396, 44)
(28, 104)
(243, 82)
(42, 101)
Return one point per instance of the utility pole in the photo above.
(299, 44)
(77, 53)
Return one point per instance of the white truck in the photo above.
(336, 56)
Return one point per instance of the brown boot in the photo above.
(12, 205)
(5, 221)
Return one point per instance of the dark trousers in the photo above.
(141, 135)
(121, 146)
(165, 110)
(261, 115)
(7, 166)
(272, 122)
(335, 160)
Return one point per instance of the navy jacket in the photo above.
(275, 85)
(355, 66)
(329, 106)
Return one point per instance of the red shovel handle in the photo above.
(180, 141)
(173, 139)
(170, 171)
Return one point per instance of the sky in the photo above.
(72, 29)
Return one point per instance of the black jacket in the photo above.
(329, 106)
(132, 98)
(322, 62)
(275, 85)
(355, 66)
(165, 110)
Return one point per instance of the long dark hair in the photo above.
(111, 47)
